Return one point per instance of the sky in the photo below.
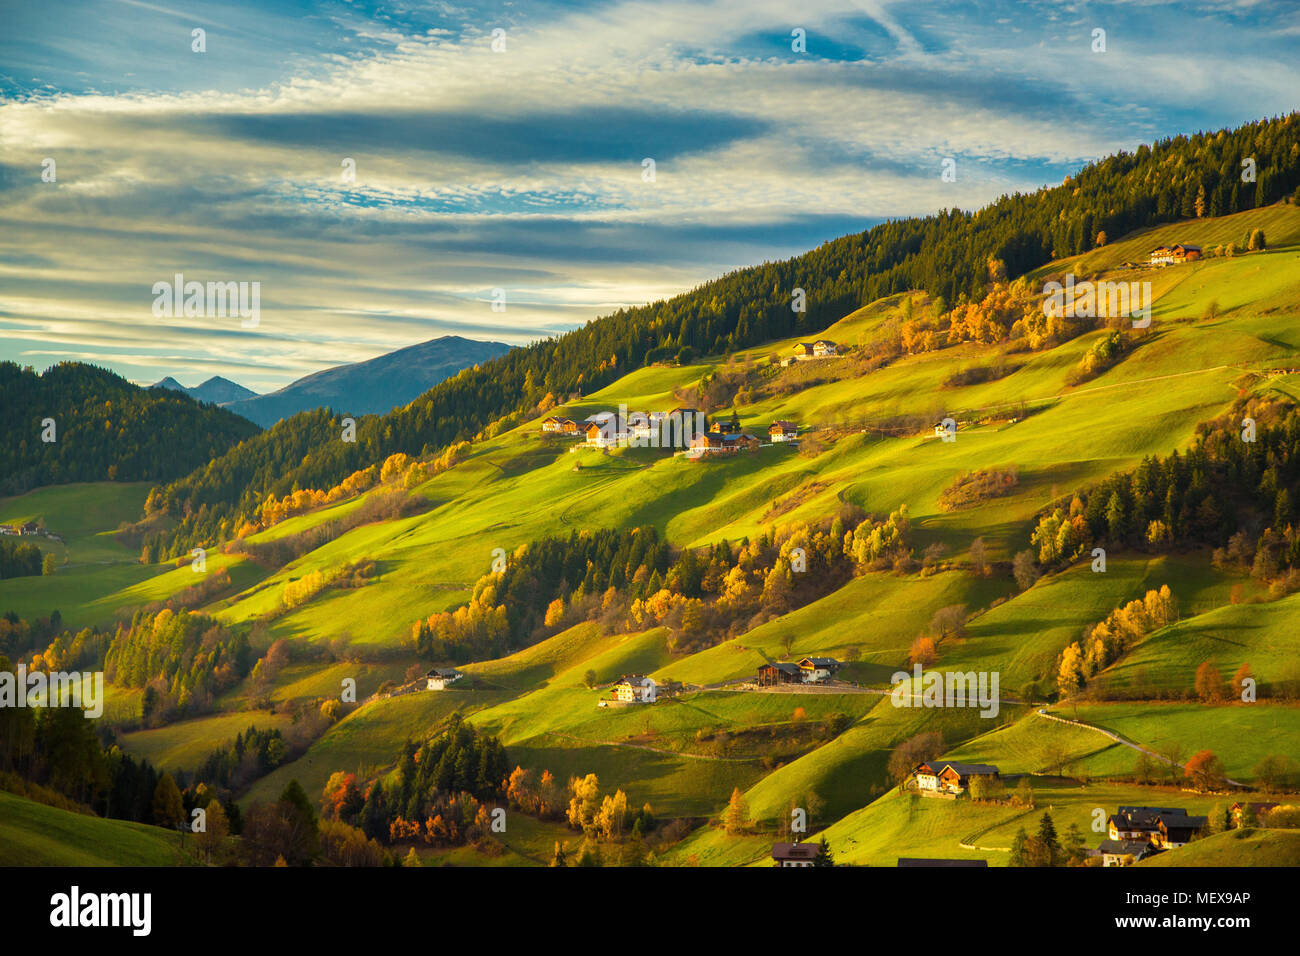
(500, 187)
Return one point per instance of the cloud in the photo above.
(523, 170)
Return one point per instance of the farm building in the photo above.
(769, 675)
(794, 854)
(1243, 812)
(1143, 823)
(635, 689)
(1173, 255)
(440, 678)
(560, 426)
(822, 348)
(949, 776)
(712, 444)
(817, 669)
(782, 431)
(1124, 852)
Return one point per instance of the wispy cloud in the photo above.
(523, 169)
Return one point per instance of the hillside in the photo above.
(946, 254)
(32, 834)
(77, 422)
(373, 387)
(420, 543)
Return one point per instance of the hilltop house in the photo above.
(950, 777)
(8, 529)
(794, 854)
(817, 669)
(1124, 852)
(822, 348)
(770, 675)
(1258, 811)
(635, 689)
(606, 430)
(1174, 832)
(1141, 823)
(1173, 255)
(558, 425)
(711, 443)
(782, 431)
(440, 678)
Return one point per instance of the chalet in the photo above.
(1173, 255)
(1174, 832)
(941, 430)
(606, 430)
(711, 443)
(923, 861)
(822, 348)
(949, 776)
(1140, 823)
(1124, 852)
(794, 854)
(817, 669)
(782, 431)
(724, 426)
(635, 689)
(559, 426)
(769, 675)
(440, 678)
(1242, 813)
(31, 527)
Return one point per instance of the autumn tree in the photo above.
(168, 809)
(915, 750)
(736, 818)
(1209, 683)
(1205, 771)
(211, 841)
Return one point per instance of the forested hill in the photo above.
(945, 254)
(104, 428)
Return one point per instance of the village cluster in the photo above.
(683, 427)
(27, 529)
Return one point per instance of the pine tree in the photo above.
(823, 857)
(1047, 837)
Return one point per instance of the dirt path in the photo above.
(1042, 712)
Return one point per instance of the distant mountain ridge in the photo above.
(373, 387)
(216, 390)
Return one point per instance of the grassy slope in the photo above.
(518, 487)
(32, 834)
(1236, 848)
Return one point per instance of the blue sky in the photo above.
(522, 169)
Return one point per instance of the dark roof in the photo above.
(442, 672)
(784, 666)
(783, 425)
(969, 769)
(921, 861)
(795, 851)
(1149, 818)
(820, 661)
(1126, 847)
